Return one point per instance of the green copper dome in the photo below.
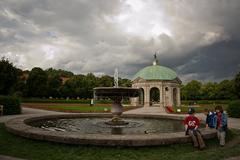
(156, 72)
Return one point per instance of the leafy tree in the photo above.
(237, 84)
(125, 82)
(19, 88)
(90, 82)
(8, 76)
(184, 94)
(37, 83)
(226, 90)
(105, 81)
(53, 85)
(209, 91)
(72, 88)
(192, 90)
(59, 72)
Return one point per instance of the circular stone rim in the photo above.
(18, 126)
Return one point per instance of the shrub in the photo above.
(234, 109)
(205, 102)
(11, 105)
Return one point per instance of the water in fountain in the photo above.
(95, 125)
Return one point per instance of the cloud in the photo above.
(94, 36)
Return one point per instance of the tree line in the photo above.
(62, 84)
(224, 90)
(51, 82)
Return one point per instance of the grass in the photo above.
(82, 108)
(72, 101)
(74, 107)
(38, 150)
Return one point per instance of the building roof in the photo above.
(156, 72)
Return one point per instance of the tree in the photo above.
(105, 81)
(72, 88)
(59, 72)
(53, 85)
(89, 82)
(37, 83)
(237, 84)
(191, 91)
(8, 76)
(226, 90)
(209, 91)
(125, 82)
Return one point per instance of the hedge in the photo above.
(205, 102)
(234, 109)
(11, 105)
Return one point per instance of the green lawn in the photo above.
(74, 107)
(37, 150)
(81, 108)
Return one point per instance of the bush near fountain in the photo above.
(233, 109)
(11, 105)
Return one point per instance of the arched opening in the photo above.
(141, 97)
(174, 96)
(154, 96)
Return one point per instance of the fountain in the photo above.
(116, 94)
(97, 129)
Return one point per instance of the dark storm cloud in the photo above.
(214, 61)
(198, 39)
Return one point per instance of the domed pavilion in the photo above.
(159, 86)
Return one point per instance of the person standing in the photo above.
(191, 123)
(210, 118)
(221, 124)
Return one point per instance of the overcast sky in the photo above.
(199, 39)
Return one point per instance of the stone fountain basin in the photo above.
(19, 126)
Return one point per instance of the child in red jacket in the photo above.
(192, 123)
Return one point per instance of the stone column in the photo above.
(170, 96)
(167, 96)
(161, 95)
(178, 97)
(146, 96)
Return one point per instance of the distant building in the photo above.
(159, 86)
(24, 76)
(64, 79)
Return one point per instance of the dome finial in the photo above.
(155, 62)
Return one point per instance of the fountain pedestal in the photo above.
(116, 95)
(116, 111)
